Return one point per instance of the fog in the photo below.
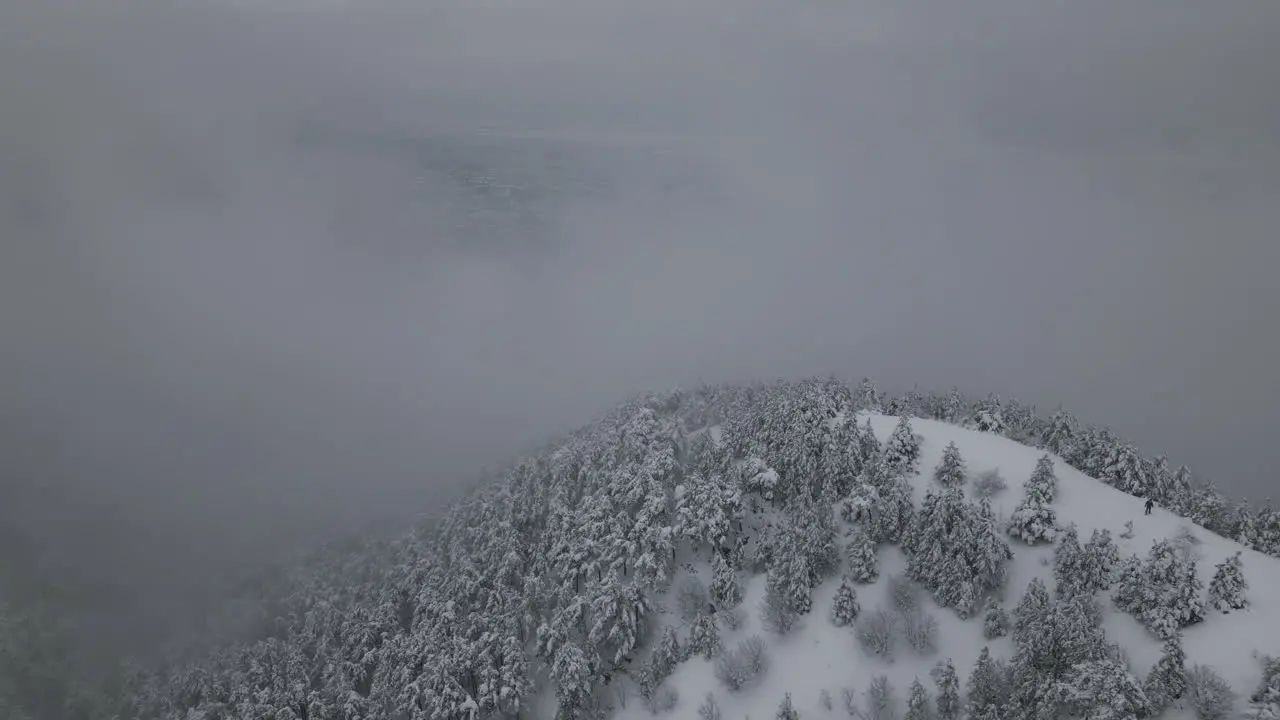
(273, 271)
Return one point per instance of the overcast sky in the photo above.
(220, 337)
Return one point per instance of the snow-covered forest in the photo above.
(798, 549)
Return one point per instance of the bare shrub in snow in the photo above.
(709, 709)
(878, 701)
(1209, 694)
(744, 665)
(921, 630)
(663, 700)
(876, 632)
(904, 595)
(691, 598)
(1186, 545)
(824, 699)
(989, 484)
(1128, 530)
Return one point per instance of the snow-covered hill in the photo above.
(690, 546)
(818, 657)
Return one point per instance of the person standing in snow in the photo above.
(1150, 502)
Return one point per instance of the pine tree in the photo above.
(1105, 690)
(1034, 521)
(988, 416)
(1059, 436)
(861, 555)
(866, 397)
(726, 591)
(868, 448)
(995, 621)
(786, 711)
(1227, 589)
(1167, 680)
(901, 456)
(667, 654)
(704, 636)
(984, 691)
(1098, 562)
(845, 607)
(919, 704)
(951, 470)
(1068, 564)
(1164, 593)
(948, 682)
(1264, 702)
(1031, 612)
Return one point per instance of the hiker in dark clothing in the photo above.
(1150, 502)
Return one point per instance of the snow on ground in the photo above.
(820, 656)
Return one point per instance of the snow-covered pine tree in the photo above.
(1098, 561)
(1164, 593)
(919, 704)
(995, 621)
(704, 636)
(1124, 469)
(951, 470)
(988, 416)
(1167, 680)
(1068, 562)
(860, 554)
(1034, 521)
(867, 397)
(1031, 612)
(845, 606)
(985, 693)
(868, 448)
(726, 591)
(666, 655)
(1264, 702)
(1059, 436)
(1228, 588)
(945, 678)
(787, 711)
(1104, 690)
(901, 456)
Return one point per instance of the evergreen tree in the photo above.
(867, 397)
(1104, 690)
(1031, 612)
(1068, 564)
(950, 471)
(1264, 702)
(995, 621)
(1059, 436)
(1227, 589)
(786, 711)
(919, 704)
(901, 456)
(868, 448)
(667, 654)
(845, 607)
(948, 683)
(1034, 521)
(988, 416)
(726, 591)
(861, 556)
(1167, 680)
(1097, 562)
(704, 636)
(1164, 593)
(984, 694)
(1124, 469)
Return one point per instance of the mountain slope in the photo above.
(615, 572)
(819, 656)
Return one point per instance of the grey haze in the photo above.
(275, 270)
